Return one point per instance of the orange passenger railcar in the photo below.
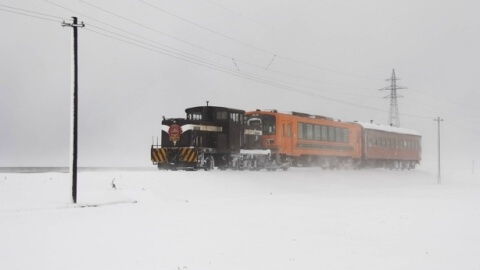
(308, 140)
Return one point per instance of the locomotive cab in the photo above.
(204, 137)
(265, 125)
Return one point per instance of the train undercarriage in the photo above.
(348, 163)
(191, 158)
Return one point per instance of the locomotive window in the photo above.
(221, 115)
(195, 116)
(234, 117)
(268, 124)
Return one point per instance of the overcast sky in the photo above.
(142, 59)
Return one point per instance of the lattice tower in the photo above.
(393, 117)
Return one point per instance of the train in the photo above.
(219, 137)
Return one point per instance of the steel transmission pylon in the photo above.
(393, 117)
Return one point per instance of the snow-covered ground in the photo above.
(299, 219)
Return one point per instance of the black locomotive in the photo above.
(211, 137)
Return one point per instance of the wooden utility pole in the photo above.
(74, 121)
(439, 178)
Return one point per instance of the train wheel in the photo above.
(209, 163)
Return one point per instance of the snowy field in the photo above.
(299, 219)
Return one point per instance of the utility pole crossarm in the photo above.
(74, 24)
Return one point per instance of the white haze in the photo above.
(349, 47)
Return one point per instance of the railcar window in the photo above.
(338, 135)
(317, 133)
(300, 131)
(345, 135)
(331, 134)
(309, 132)
(324, 133)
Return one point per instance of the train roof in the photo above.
(199, 108)
(389, 128)
(300, 114)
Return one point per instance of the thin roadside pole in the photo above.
(74, 121)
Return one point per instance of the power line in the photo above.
(202, 27)
(198, 60)
(141, 25)
(189, 43)
(293, 38)
(25, 13)
(241, 42)
(207, 63)
(170, 36)
(246, 75)
(33, 12)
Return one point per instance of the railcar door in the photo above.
(286, 140)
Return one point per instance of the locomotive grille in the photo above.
(160, 155)
(188, 155)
